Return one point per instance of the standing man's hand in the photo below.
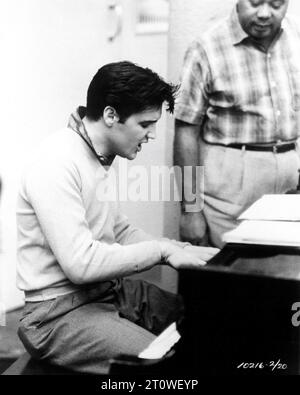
(193, 228)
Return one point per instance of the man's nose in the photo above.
(152, 132)
(264, 11)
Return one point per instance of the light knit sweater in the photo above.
(67, 236)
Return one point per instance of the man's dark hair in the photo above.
(129, 89)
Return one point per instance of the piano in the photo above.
(239, 317)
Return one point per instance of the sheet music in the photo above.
(274, 208)
(286, 233)
(162, 344)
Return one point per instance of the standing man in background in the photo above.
(238, 115)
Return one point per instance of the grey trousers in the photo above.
(235, 178)
(81, 331)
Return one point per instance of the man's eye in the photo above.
(255, 3)
(276, 4)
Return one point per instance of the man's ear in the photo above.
(110, 116)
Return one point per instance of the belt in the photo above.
(53, 292)
(49, 293)
(276, 148)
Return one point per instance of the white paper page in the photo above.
(162, 344)
(274, 208)
(265, 232)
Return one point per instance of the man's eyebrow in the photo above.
(149, 121)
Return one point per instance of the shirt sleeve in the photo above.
(54, 193)
(192, 101)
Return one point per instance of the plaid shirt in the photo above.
(239, 92)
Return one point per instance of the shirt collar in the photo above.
(75, 123)
(75, 120)
(237, 32)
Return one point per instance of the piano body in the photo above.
(238, 319)
(239, 312)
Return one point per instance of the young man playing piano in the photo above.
(75, 250)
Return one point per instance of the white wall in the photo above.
(50, 49)
(294, 8)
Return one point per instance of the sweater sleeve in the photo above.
(126, 233)
(54, 192)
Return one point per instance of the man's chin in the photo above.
(261, 33)
(132, 156)
(128, 156)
